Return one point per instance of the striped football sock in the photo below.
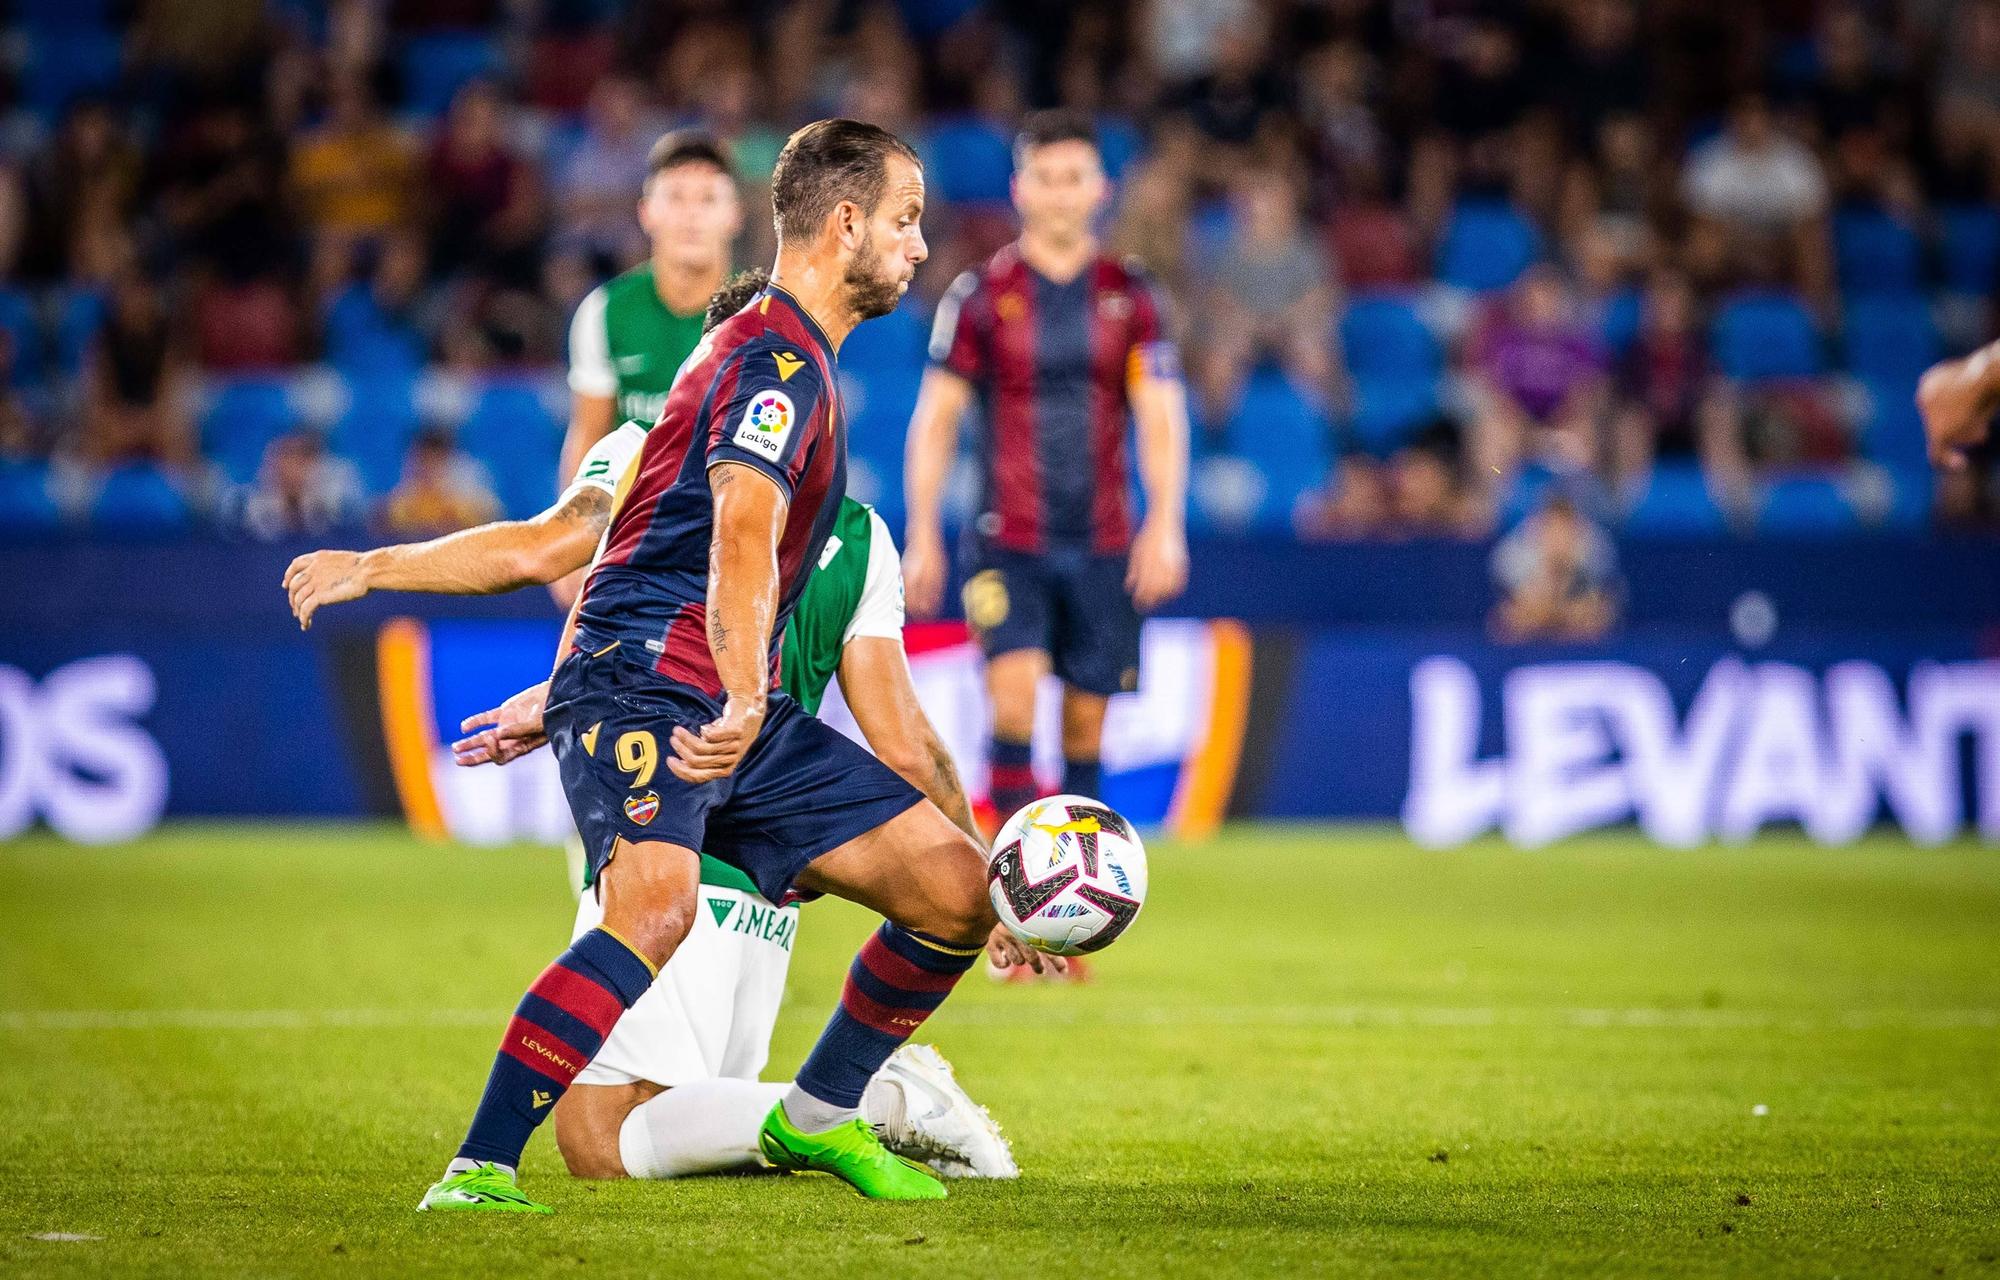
(1082, 777)
(558, 1029)
(1013, 787)
(895, 982)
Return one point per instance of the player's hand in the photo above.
(323, 577)
(924, 573)
(1159, 566)
(508, 732)
(1956, 410)
(722, 743)
(1006, 951)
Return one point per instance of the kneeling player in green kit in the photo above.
(674, 1090)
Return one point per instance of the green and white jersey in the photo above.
(625, 343)
(855, 590)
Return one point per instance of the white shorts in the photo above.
(711, 1011)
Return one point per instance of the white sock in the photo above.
(810, 1115)
(705, 1126)
(460, 1164)
(883, 1107)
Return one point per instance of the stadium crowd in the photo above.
(299, 265)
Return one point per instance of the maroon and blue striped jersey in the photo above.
(1053, 365)
(759, 390)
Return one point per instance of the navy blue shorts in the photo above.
(803, 789)
(1068, 603)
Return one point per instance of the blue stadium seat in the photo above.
(881, 364)
(1677, 503)
(1767, 335)
(511, 432)
(244, 416)
(79, 315)
(26, 505)
(1971, 248)
(1486, 245)
(140, 499)
(375, 430)
(1889, 337)
(1877, 252)
(1276, 430)
(436, 66)
(364, 342)
(1530, 487)
(1812, 506)
(62, 66)
(1396, 365)
(1892, 432)
(1618, 323)
(21, 322)
(1120, 142)
(969, 160)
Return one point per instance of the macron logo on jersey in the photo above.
(765, 421)
(788, 364)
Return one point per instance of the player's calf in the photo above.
(588, 1121)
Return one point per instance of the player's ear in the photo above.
(849, 225)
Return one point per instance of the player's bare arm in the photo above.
(1958, 399)
(942, 399)
(591, 418)
(742, 605)
(1159, 566)
(502, 556)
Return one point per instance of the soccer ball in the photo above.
(1068, 875)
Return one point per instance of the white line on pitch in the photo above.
(1350, 1016)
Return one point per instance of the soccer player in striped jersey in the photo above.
(1057, 342)
(674, 1090)
(670, 737)
(631, 333)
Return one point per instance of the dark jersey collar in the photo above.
(783, 295)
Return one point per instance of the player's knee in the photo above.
(659, 932)
(963, 910)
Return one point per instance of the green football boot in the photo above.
(486, 1189)
(850, 1152)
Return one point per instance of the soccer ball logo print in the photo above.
(771, 413)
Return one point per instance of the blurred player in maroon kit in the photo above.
(1057, 342)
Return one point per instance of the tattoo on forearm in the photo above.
(590, 506)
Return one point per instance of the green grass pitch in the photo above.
(245, 1050)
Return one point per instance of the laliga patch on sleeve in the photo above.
(766, 424)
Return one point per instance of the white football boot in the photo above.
(940, 1124)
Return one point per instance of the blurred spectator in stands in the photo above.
(598, 184)
(1271, 293)
(1343, 128)
(133, 380)
(1152, 220)
(1539, 377)
(1600, 67)
(1616, 191)
(1419, 492)
(200, 45)
(353, 177)
(218, 184)
(1239, 100)
(301, 489)
(1852, 91)
(441, 490)
(1672, 401)
(484, 203)
(1557, 575)
(81, 186)
(1760, 198)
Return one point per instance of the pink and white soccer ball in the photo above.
(1068, 875)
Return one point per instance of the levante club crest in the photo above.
(641, 807)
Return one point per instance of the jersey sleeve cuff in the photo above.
(723, 451)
